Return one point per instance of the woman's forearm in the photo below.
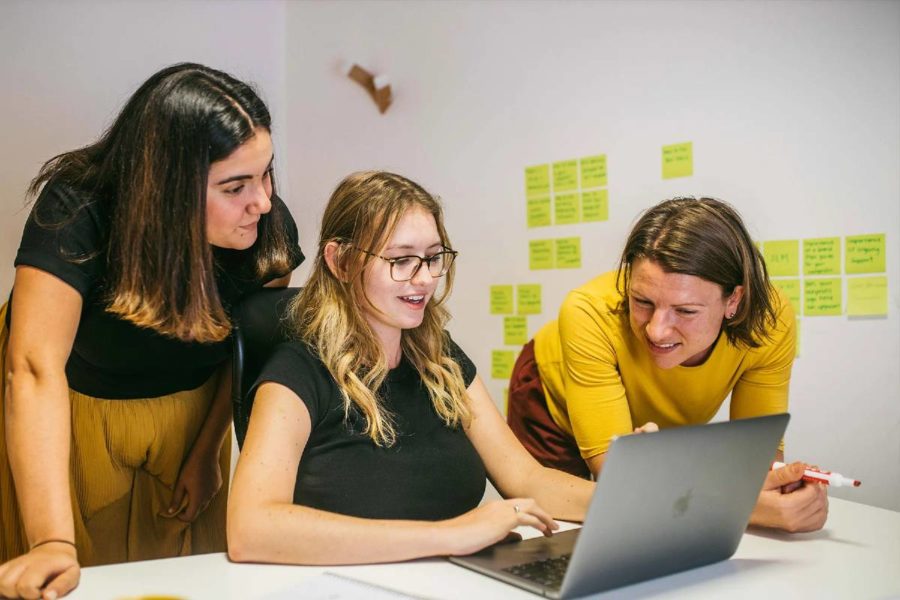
(38, 439)
(292, 534)
(564, 496)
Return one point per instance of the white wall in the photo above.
(793, 109)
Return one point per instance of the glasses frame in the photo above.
(391, 261)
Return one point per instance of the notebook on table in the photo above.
(665, 502)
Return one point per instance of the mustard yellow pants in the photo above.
(125, 460)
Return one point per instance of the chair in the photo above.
(259, 326)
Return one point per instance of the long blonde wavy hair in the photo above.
(363, 213)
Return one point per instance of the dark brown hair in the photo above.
(706, 238)
(150, 169)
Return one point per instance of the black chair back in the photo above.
(259, 326)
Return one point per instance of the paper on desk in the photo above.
(331, 586)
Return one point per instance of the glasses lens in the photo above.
(440, 263)
(402, 268)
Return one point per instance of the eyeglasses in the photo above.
(404, 268)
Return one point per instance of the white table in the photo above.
(857, 555)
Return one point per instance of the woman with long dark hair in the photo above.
(115, 340)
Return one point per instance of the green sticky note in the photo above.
(782, 258)
(822, 256)
(515, 331)
(565, 176)
(595, 206)
(867, 296)
(540, 254)
(528, 298)
(568, 253)
(538, 212)
(865, 253)
(501, 299)
(822, 297)
(678, 160)
(791, 289)
(593, 171)
(566, 209)
(537, 180)
(502, 362)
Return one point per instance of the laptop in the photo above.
(665, 502)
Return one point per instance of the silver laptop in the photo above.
(665, 502)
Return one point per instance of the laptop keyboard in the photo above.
(548, 572)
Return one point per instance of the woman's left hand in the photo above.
(198, 482)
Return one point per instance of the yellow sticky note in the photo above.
(797, 344)
(822, 297)
(565, 176)
(502, 362)
(566, 209)
(593, 171)
(528, 298)
(678, 160)
(822, 256)
(568, 253)
(537, 181)
(791, 289)
(538, 212)
(540, 254)
(867, 296)
(865, 253)
(501, 299)
(782, 258)
(515, 331)
(595, 206)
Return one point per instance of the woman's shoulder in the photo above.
(598, 299)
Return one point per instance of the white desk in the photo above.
(857, 555)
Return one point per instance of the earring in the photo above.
(729, 317)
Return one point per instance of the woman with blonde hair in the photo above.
(371, 434)
(116, 339)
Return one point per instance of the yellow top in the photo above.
(600, 381)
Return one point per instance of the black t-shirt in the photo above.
(432, 472)
(66, 235)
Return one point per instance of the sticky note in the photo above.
(822, 256)
(865, 253)
(540, 254)
(501, 299)
(515, 331)
(565, 176)
(502, 362)
(537, 181)
(678, 160)
(791, 289)
(822, 297)
(593, 171)
(782, 258)
(538, 212)
(528, 298)
(568, 253)
(867, 296)
(595, 206)
(566, 209)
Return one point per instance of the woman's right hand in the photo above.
(492, 522)
(49, 571)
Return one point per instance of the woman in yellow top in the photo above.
(688, 318)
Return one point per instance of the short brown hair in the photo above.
(706, 238)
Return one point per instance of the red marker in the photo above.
(827, 477)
